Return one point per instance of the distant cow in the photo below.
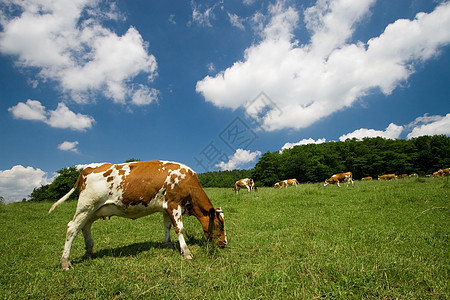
(336, 178)
(414, 175)
(387, 177)
(444, 172)
(402, 176)
(137, 189)
(367, 178)
(247, 183)
(286, 183)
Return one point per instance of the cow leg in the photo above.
(175, 216)
(88, 241)
(338, 184)
(73, 227)
(167, 225)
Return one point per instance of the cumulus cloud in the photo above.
(65, 41)
(430, 125)
(19, 181)
(240, 158)
(302, 142)
(68, 146)
(61, 117)
(144, 95)
(392, 132)
(329, 73)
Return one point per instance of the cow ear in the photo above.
(212, 214)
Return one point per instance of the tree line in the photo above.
(309, 163)
(368, 157)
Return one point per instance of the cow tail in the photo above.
(66, 196)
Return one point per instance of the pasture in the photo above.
(376, 240)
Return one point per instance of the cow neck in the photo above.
(201, 209)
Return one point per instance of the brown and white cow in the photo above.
(414, 175)
(246, 183)
(367, 178)
(286, 183)
(133, 190)
(444, 172)
(387, 177)
(340, 177)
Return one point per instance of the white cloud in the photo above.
(62, 117)
(430, 125)
(236, 21)
(239, 158)
(31, 110)
(309, 82)
(18, 182)
(392, 132)
(211, 67)
(66, 42)
(302, 142)
(144, 95)
(68, 146)
(172, 19)
(203, 16)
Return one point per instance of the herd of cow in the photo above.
(249, 184)
(137, 189)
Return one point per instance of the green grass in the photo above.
(376, 240)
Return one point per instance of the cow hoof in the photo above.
(187, 255)
(65, 266)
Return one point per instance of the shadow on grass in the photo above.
(136, 248)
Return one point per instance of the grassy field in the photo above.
(376, 240)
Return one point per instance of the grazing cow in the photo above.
(367, 178)
(402, 176)
(336, 178)
(436, 174)
(137, 189)
(387, 177)
(444, 172)
(247, 183)
(286, 183)
(414, 175)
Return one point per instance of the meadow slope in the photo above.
(376, 240)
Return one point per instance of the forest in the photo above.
(310, 163)
(368, 157)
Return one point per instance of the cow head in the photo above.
(216, 228)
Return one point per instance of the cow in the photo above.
(387, 177)
(414, 175)
(137, 189)
(444, 172)
(340, 177)
(367, 178)
(247, 183)
(402, 176)
(286, 183)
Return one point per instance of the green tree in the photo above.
(132, 160)
(63, 183)
(266, 171)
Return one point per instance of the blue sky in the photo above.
(212, 84)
